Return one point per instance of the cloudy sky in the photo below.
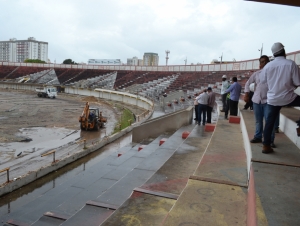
(196, 30)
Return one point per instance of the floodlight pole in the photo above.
(167, 56)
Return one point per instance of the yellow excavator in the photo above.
(91, 118)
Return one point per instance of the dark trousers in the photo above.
(234, 107)
(227, 108)
(249, 103)
(271, 116)
(224, 97)
(202, 111)
(208, 113)
(196, 112)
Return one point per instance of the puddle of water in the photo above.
(1, 118)
(43, 139)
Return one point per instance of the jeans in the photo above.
(260, 111)
(209, 111)
(201, 110)
(272, 113)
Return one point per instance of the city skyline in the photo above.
(193, 31)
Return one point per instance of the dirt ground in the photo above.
(23, 109)
(30, 125)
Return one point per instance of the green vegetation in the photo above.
(125, 116)
(34, 61)
(69, 61)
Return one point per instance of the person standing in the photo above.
(235, 92)
(282, 77)
(224, 87)
(196, 109)
(211, 103)
(227, 104)
(202, 106)
(259, 100)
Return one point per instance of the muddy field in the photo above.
(29, 124)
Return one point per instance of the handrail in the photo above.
(49, 153)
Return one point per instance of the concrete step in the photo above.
(154, 157)
(150, 203)
(274, 178)
(205, 203)
(216, 192)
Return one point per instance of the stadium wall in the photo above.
(236, 66)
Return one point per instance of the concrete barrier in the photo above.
(126, 98)
(155, 127)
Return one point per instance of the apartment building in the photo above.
(19, 50)
(134, 61)
(150, 59)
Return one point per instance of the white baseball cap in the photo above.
(224, 76)
(277, 47)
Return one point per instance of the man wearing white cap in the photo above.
(225, 85)
(282, 77)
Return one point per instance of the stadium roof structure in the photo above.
(281, 2)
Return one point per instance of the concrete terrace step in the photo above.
(275, 177)
(154, 157)
(216, 193)
(150, 203)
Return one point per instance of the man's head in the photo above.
(278, 49)
(234, 79)
(224, 77)
(209, 89)
(263, 60)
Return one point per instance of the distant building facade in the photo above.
(19, 50)
(134, 61)
(150, 59)
(105, 61)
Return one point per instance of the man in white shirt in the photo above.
(282, 77)
(202, 106)
(224, 87)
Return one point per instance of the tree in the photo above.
(34, 61)
(69, 61)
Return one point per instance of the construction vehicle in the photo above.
(91, 118)
(48, 91)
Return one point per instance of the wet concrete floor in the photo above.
(23, 195)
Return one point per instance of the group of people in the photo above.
(274, 84)
(204, 104)
(230, 93)
(267, 90)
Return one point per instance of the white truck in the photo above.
(48, 91)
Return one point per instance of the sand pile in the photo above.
(90, 99)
